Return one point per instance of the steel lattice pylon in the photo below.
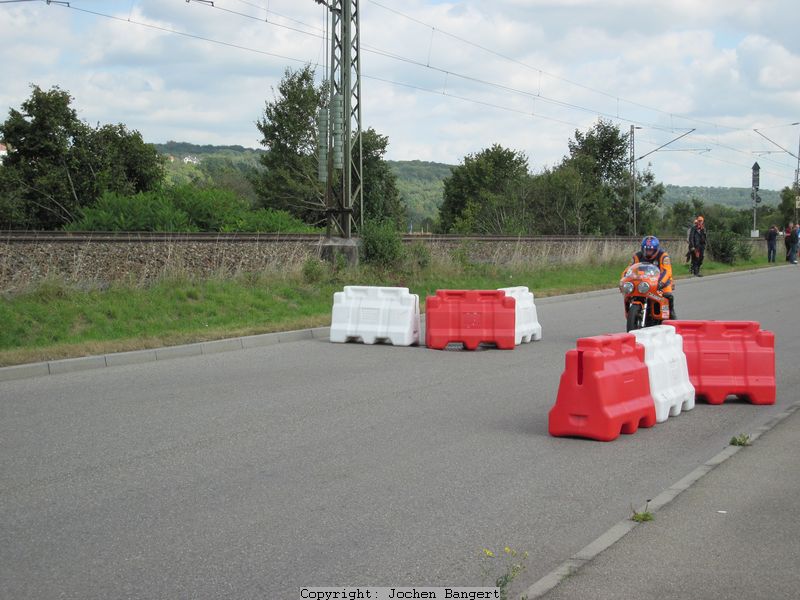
(344, 193)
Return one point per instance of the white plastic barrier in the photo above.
(371, 314)
(669, 375)
(527, 321)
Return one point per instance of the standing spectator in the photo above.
(772, 237)
(787, 239)
(793, 239)
(697, 245)
(689, 239)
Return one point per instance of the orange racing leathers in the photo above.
(660, 259)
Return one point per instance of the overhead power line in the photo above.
(447, 73)
(542, 72)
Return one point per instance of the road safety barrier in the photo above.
(604, 390)
(470, 317)
(669, 375)
(370, 314)
(527, 325)
(729, 358)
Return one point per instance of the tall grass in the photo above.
(55, 319)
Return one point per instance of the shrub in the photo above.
(419, 255)
(208, 209)
(381, 245)
(722, 246)
(313, 270)
(268, 220)
(727, 247)
(184, 208)
(146, 211)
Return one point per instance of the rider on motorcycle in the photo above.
(653, 253)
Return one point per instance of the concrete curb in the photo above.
(618, 531)
(70, 365)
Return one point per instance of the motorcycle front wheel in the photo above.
(634, 317)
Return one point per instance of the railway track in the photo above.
(216, 237)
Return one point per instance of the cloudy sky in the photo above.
(442, 79)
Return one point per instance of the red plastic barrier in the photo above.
(729, 358)
(471, 317)
(604, 390)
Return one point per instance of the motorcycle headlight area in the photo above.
(626, 287)
(643, 287)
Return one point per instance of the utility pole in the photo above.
(340, 124)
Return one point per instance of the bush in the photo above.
(209, 209)
(184, 208)
(727, 247)
(268, 220)
(313, 270)
(419, 255)
(146, 211)
(381, 245)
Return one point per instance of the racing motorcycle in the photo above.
(645, 304)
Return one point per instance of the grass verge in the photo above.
(54, 320)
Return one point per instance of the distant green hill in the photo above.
(181, 149)
(421, 185)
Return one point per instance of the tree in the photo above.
(37, 172)
(57, 164)
(379, 183)
(289, 178)
(606, 147)
(288, 128)
(485, 191)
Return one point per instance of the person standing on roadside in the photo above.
(689, 239)
(787, 239)
(793, 239)
(697, 245)
(772, 240)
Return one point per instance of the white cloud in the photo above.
(666, 65)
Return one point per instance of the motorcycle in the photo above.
(645, 304)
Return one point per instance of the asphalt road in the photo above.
(249, 474)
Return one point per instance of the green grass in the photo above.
(55, 320)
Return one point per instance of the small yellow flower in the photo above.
(488, 553)
(507, 550)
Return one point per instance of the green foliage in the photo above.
(232, 168)
(381, 245)
(57, 164)
(147, 211)
(477, 189)
(742, 439)
(289, 133)
(183, 208)
(503, 568)
(381, 195)
(642, 517)
(728, 247)
(267, 220)
(421, 186)
(419, 254)
(605, 150)
(314, 270)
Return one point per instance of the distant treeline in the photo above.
(421, 183)
(186, 149)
